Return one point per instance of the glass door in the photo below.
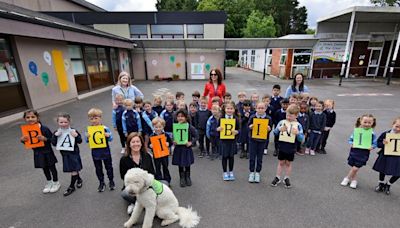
(374, 60)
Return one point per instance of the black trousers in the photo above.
(49, 172)
(324, 139)
(122, 137)
(162, 163)
(202, 138)
(98, 164)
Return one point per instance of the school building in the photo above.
(369, 34)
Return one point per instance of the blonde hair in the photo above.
(118, 95)
(157, 99)
(122, 74)
(293, 109)
(158, 120)
(241, 93)
(330, 101)
(128, 102)
(95, 112)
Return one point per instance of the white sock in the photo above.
(286, 177)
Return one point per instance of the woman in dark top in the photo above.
(135, 156)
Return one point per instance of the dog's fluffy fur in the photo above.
(165, 206)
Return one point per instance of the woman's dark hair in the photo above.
(219, 74)
(128, 141)
(301, 86)
(31, 111)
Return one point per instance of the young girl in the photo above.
(244, 129)
(359, 157)
(117, 112)
(387, 164)
(330, 113)
(148, 115)
(43, 157)
(183, 154)
(211, 130)
(168, 115)
(311, 104)
(228, 147)
(157, 107)
(71, 159)
(316, 126)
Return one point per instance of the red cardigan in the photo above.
(210, 92)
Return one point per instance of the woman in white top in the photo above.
(125, 87)
(297, 87)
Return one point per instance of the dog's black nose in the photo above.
(131, 192)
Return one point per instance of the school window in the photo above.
(167, 31)
(302, 56)
(269, 57)
(97, 67)
(283, 57)
(13, 98)
(78, 67)
(195, 31)
(138, 31)
(114, 63)
(252, 58)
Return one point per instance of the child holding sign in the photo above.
(43, 155)
(159, 143)
(287, 131)
(184, 136)
(98, 137)
(363, 140)
(66, 139)
(260, 124)
(388, 161)
(228, 128)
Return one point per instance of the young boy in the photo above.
(241, 98)
(287, 149)
(279, 115)
(244, 128)
(276, 98)
(101, 155)
(256, 146)
(304, 120)
(147, 116)
(117, 119)
(316, 127)
(168, 115)
(211, 130)
(196, 98)
(203, 115)
(254, 99)
(131, 121)
(162, 162)
(330, 121)
(138, 105)
(270, 112)
(216, 101)
(227, 97)
(194, 119)
(180, 96)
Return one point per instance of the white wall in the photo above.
(215, 31)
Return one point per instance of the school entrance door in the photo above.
(374, 60)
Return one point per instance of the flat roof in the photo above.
(364, 14)
(90, 18)
(88, 5)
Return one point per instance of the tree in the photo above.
(310, 31)
(386, 2)
(298, 22)
(176, 5)
(259, 26)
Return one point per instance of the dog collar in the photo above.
(157, 187)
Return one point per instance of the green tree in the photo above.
(176, 5)
(259, 26)
(386, 2)
(298, 22)
(310, 31)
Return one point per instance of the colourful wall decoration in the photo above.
(178, 65)
(33, 68)
(45, 78)
(208, 67)
(172, 58)
(47, 57)
(59, 68)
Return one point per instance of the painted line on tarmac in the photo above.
(363, 94)
(367, 109)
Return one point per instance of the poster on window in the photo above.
(329, 51)
(197, 71)
(124, 60)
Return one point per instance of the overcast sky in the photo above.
(316, 8)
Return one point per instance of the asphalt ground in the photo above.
(315, 200)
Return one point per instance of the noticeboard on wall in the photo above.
(329, 51)
(197, 71)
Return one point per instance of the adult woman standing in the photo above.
(214, 87)
(135, 156)
(297, 87)
(124, 86)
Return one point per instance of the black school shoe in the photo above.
(69, 191)
(322, 151)
(380, 187)
(111, 185)
(102, 187)
(79, 183)
(387, 189)
(287, 183)
(275, 182)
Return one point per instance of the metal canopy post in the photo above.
(351, 50)
(186, 68)
(145, 62)
(393, 62)
(224, 59)
(346, 53)
(265, 59)
(390, 51)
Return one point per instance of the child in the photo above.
(194, 119)
(254, 99)
(241, 97)
(101, 155)
(196, 98)
(168, 115)
(228, 147)
(139, 105)
(216, 101)
(227, 97)
(270, 112)
(147, 116)
(286, 149)
(257, 146)
(330, 121)
(316, 126)
(117, 119)
(171, 98)
(157, 107)
(387, 164)
(279, 115)
(304, 120)
(293, 99)
(311, 104)
(211, 130)
(276, 98)
(203, 115)
(131, 121)
(162, 162)
(180, 96)
(183, 154)
(43, 157)
(71, 159)
(244, 128)
(359, 157)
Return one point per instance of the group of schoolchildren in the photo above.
(309, 119)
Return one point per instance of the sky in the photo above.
(315, 8)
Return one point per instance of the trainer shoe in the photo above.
(380, 187)
(102, 187)
(265, 151)
(251, 177)
(322, 151)
(275, 182)
(312, 152)
(275, 153)
(69, 191)
(287, 183)
(201, 154)
(345, 181)
(307, 151)
(257, 177)
(387, 189)
(79, 183)
(231, 176)
(55, 187)
(47, 187)
(129, 210)
(353, 184)
(226, 176)
(111, 185)
(123, 151)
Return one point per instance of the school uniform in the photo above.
(131, 122)
(304, 120)
(71, 159)
(244, 130)
(203, 115)
(147, 118)
(239, 106)
(183, 155)
(117, 123)
(228, 147)
(279, 115)
(270, 112)
(276, 102)
(386, 164)
(256, 146)
(43, 157)
(316, 127)
(158, 109)
(330, 121)
(169, 121)
(162, 163)
(359, 157)
(213, 135)
(286, 149)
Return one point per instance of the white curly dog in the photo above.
(157, 199)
